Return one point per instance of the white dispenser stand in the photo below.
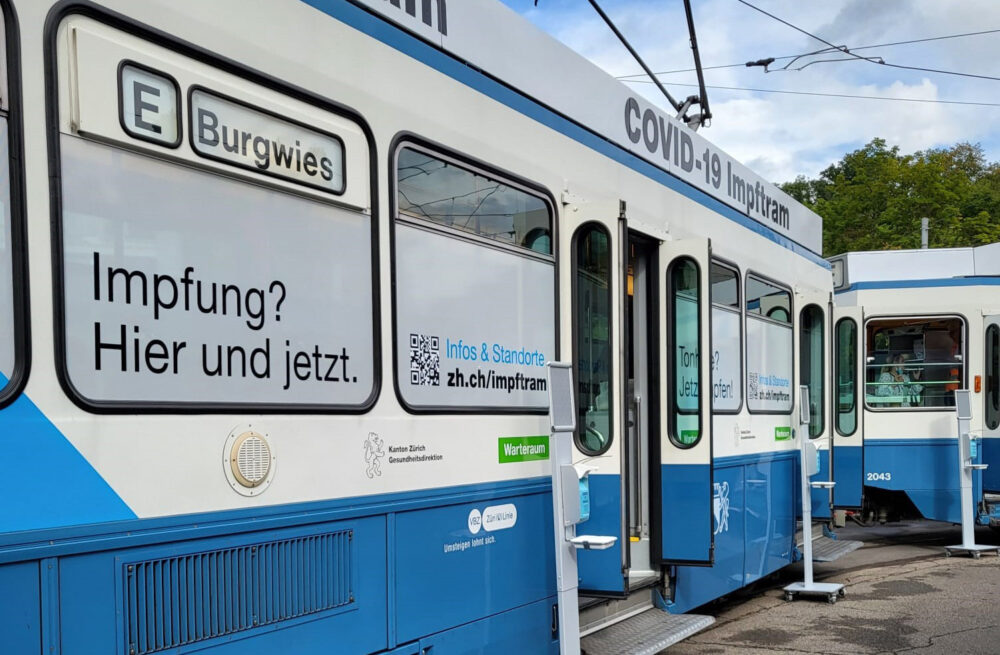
(809, 466)
(566, 505)
(966, 465)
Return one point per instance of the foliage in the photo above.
(874, 198)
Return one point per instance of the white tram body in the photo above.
(279, 281)
(917, 325)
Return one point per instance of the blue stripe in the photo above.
(462, 72)
(920, 284)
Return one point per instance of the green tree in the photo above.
(874, 198)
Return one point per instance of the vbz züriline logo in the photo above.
(720, 506)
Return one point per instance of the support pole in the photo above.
(966, 466)
(809, 466)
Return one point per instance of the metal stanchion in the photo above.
(966, 466)
(809, 466)
(566, 505)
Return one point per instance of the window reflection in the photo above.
(442, 192)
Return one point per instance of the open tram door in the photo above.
(812, 355)
(685, 503)
(847, 404)
(991, 404)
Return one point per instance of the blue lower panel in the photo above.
(687, 512)
(601, 570)
(20, 608)
(526, 630)
(926, 470)
(199, 606)
(447, 575)
(754, 511)
(991, 457)
(696, 585)
(770, 517)
(847, 473)
(821, 497)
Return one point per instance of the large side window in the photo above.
(474, 287)
(811, 368)
(12, 285)
(592, 337)
(769, 346)
(847, 376)
(727, 356)
(217, 254)
(684, 370)
(914, 362)
(993, 377)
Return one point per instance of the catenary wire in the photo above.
(833, 95)
(863, 47)
(848, 51)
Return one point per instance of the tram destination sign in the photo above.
(236, 133)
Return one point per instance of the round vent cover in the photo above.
(249, 462)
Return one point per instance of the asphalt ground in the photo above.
(902, 595)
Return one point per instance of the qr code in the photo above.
(752, 384)
(425, 360)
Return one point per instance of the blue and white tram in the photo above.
(278, 287)
(911, 327)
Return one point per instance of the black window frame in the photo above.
(738, 310)
(963, 383)
(178, 46)
(836, 378)
(803, 346)
(18, 377)
(991, 373)
(577, 236)
(790, 325)
(412, 139)
(673, 410)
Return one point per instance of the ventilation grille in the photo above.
(175, 601)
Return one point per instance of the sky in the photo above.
(781, 136)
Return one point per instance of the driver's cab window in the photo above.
(914, 362)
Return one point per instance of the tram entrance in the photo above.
(641, 373)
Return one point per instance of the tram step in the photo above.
(826, 549)
(644, 634)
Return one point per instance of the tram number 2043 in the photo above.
(878, 477)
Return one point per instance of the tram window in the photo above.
(847, 376)
(811, 371)
(725, 286)
(769, 347)
(592, 326)
(993, 377)
(439, 191)
(914, 362)
(474, 288)
(768, 300)
(727, 360)
(683, 281)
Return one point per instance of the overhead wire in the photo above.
(833, 95)
(863, 47)
(847, 51)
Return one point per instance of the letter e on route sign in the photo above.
(149, 105)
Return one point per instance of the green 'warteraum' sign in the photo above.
(523, 449)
